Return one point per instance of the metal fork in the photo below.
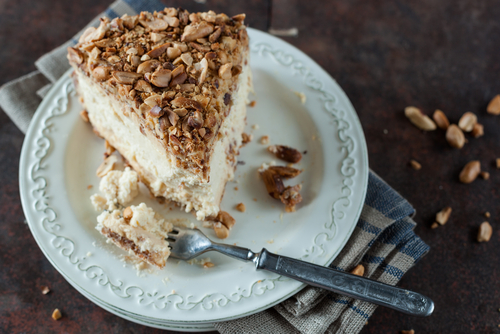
(188, 243)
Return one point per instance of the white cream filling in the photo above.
(119, 187)
(152, 161)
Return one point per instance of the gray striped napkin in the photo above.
(383, 240)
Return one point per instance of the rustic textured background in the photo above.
(385, 55)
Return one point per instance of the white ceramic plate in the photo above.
(60, 155)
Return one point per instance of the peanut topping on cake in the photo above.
(175, 70)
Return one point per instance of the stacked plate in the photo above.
(297, 104)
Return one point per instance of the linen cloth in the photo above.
(383, 239)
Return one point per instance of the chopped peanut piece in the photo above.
(221, 231)
(477, 130)
(128, 213)
(441, 119)
(470, 171)
(302, 97)
(264, 140)
(84, 115)
(226, 219)
(56, 315)
(241, 207)
(359, 270)
(411, 331)
(467, 121)
(485, 175)
(107, 165)
(45, 289)
(485, 232)
(253, 103)
(443, 215)
(487, 214)
(494, 106)
(109, 149)
(415, 165)
(434, 225)
(421, 121)
(246, 138)
(291, 197)
(455, 136)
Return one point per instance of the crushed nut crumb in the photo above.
(302, 97)
(128, 213)
(485, 175)
(443, 215)
(241, 207)
(415, 164)
(411, 331)
(264, 140)
(246, 138)
(56, 315)
(208, 265)
(485, 232)
(90, 186)
(359, 270)
(494, 106)
(477, 130)
(253, 103)
(226, 219)
(45, 289)
(434, 225)
(291, 197)
(487, 214)
(221, 231)
(108, 149)
(84, 115)
(107, 165)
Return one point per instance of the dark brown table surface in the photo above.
(386, 55)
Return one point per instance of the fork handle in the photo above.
(347, 284)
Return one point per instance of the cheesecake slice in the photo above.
(168, 90)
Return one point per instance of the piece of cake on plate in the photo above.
(168, 90)
(135, 228)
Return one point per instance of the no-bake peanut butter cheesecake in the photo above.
(168, 90)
